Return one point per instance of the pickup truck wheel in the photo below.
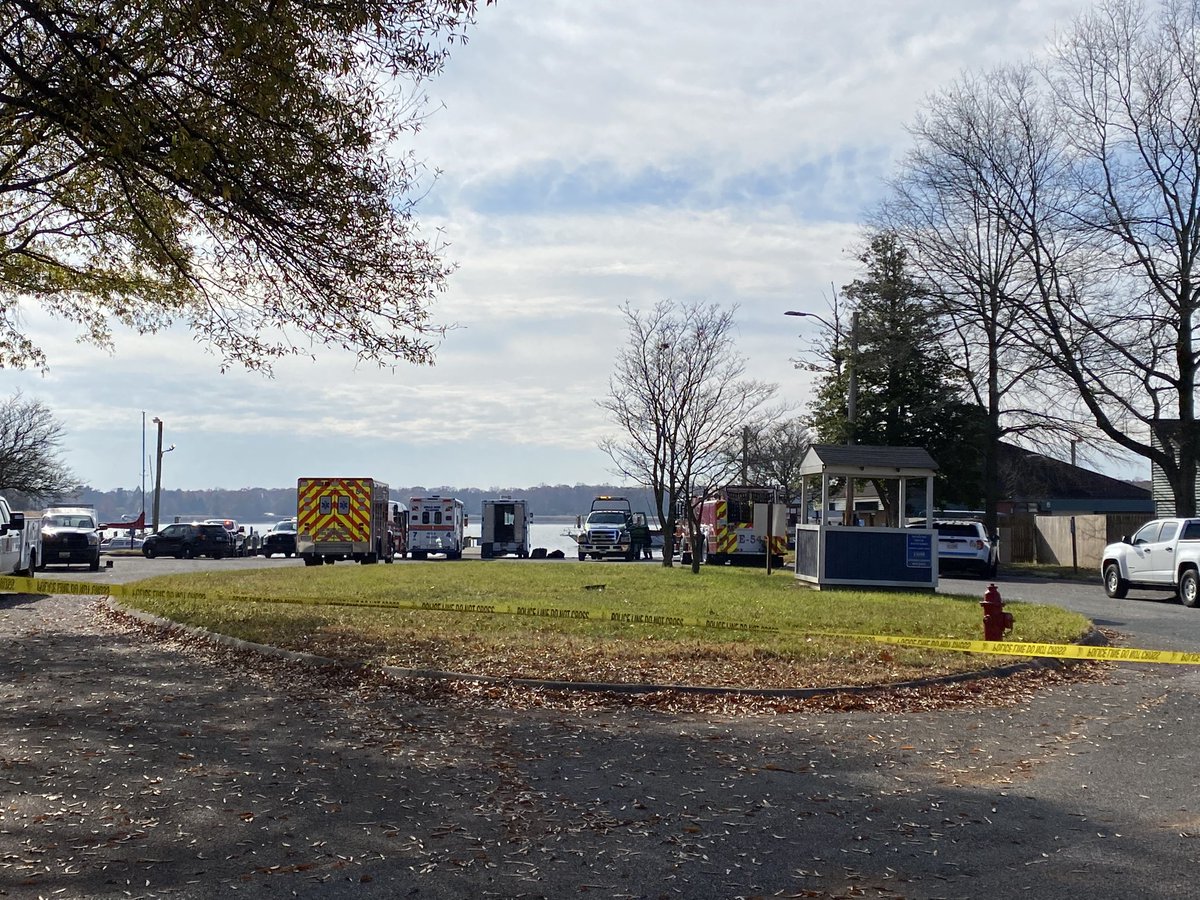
(1189, 588)
(1114, 585)
(582, 556)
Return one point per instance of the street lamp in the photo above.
(851, 394)
(851, 367)
(158, 469)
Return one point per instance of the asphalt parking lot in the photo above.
(137, 767)
(141, 767)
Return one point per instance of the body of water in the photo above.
(548, 533)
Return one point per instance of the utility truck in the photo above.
(20, 541)
(606, 530)
(436, 525)
(504, 529)
(342, 519)
(70, 536)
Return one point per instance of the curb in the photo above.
(1093, 638)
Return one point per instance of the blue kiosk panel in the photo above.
(851, 556)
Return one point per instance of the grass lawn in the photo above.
(329, 611)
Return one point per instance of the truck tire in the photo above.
(93, 565)
(1189, 588)
(582, 556)
(310, 560)
(1114, 585)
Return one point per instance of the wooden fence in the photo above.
(1047, 539)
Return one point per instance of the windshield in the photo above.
(284, 526)
(945, 529)
(606, 518)
(69, 522)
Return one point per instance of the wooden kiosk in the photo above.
(831, 553)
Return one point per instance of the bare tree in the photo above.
(948, 205)
(1090, 167)
(30, 438)
(775, 453)
(1125, 87)
(680, 401)
(1097, 175)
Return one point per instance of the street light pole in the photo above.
(851, 368)
(158, 469)
(157, 472)
(849, 516)
(143, 470)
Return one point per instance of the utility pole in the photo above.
(157, 472)
(1074, 546)
(745, 455)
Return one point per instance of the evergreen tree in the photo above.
(908, 393)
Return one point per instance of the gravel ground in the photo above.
(133, 764)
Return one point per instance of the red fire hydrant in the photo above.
(995, 620)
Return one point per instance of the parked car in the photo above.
(120, 542)
(185, 540)
(280, 539)
(964, 544)
(237, 534)
(1162, 555)
(69, 537)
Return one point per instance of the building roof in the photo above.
(1029, 476)
(867, 460)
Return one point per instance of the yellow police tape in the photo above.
(19, 584)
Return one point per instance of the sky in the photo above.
(590, 154)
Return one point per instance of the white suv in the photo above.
(965, 544)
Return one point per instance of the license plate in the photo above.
(64, 554)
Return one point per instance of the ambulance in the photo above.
(342, 519)
(436, 525)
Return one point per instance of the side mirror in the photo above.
(1124, 539)
(17, 521)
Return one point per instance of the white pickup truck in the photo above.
(1163, 554)
(20, 541)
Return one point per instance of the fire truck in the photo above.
(342, 518)
(435, 525)
(727, 523)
